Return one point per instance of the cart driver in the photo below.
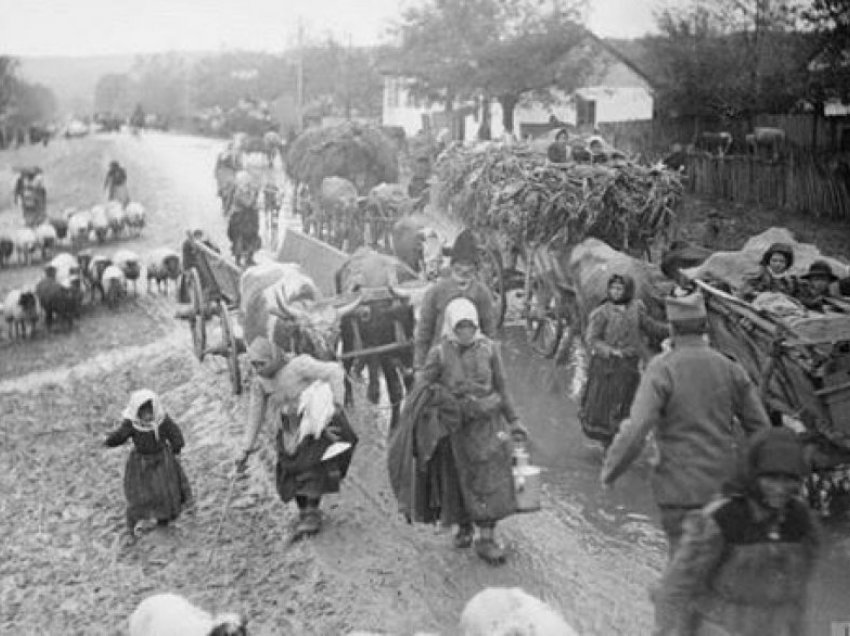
(462, 282)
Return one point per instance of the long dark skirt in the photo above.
(155, 486)
(611, 386)
(469, 477)
(120, 193)
(304, 473)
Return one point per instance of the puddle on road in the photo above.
(572, 463)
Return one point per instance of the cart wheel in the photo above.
(230, 348)
(543, 328)
(492, 275)
(197, 323)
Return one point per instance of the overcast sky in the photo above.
(90, 27)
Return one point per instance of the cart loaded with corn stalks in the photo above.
(531, 213)
(346, 184)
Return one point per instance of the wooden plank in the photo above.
(319, 260)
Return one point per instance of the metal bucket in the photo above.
(527, 488)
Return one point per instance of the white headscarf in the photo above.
(458, 310)
(131, 411)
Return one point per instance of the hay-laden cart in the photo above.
(802, 369)
(214, 294)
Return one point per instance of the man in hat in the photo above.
(462, 282)
(746, 560)
(688, 396)
(817, 294)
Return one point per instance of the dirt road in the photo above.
(61, 570)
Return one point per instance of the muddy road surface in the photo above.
(592, 555)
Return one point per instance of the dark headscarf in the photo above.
(627, 282)
(775, 450)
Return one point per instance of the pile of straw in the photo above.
(362, 154)
(520, 194)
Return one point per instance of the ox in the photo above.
(337, 206)
(384, 323)
(769, 140)
(715, 143)
(592, 262)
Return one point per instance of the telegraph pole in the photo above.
(348, 66)
(299, 78)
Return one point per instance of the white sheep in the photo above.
(68, 212)
(502, 611)
(99, 223)
(117, 218)
(135, 212)
(78, 228)
(173, 615)
(46, 238)
(26, 242)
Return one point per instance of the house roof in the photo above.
(614, 51)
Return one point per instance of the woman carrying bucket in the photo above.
(458, 423)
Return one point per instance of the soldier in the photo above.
(688, 396)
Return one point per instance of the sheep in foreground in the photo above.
(19, 308)
(173, 615)
(129, 263)
(135, 217)
(46, 238)
(113, 284)
(79, 226)
(503, 611)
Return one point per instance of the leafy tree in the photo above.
(830, 20)
(35, 102)
(162, 82)
(501, 49)
(8, 81)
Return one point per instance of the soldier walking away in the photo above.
(154, 482)
(688, 397)
(746, 560)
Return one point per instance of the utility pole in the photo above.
(299, 78)
(348, 66)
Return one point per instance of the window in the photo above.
(585, 111)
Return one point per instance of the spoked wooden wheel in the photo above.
(197, 323)
(543, 327)
(491, 274)
(230, 348)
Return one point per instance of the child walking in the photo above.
(154, 482)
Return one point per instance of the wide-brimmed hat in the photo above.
(820, 269)
(779, 248)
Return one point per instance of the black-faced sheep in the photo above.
(46, 238)
(26, 242)
(7, 246)
(162, 264)
(59, 297)
(19, 308)
(129, 263)
(173, 615)
(94, 274)
(114, 285)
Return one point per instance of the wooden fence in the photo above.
(799, 184)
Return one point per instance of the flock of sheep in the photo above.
(494, 611)
(77, 227)
(71, 280)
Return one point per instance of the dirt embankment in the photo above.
(61, 569)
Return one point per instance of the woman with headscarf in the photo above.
(614, 338)
(745, 562)
(462, 282)
(115, 184)
(301, 397)
(154, 482)
(773, 275)
(469, 476)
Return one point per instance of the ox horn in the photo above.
(343, 311)
(401, 292)
(285, 311)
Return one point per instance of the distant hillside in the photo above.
(73, 79)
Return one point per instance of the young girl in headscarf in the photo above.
(614, 338)
(773, 275)
(470, 479)
(154, 482)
